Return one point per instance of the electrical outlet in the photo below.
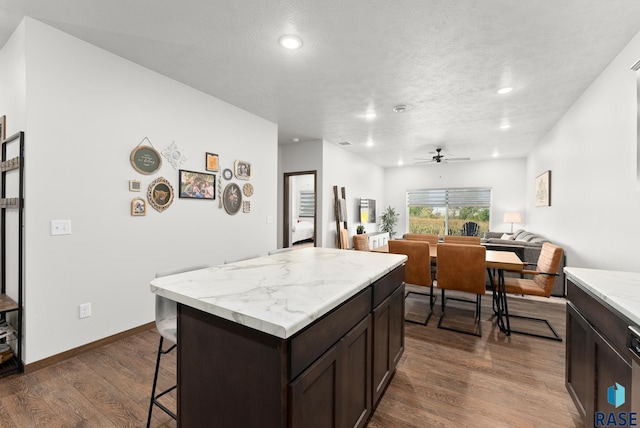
(85, 310)
(60, 227)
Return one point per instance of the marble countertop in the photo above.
(282, 293)
(620, 290)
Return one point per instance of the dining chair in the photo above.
(361, 242)
(455, 239)
(430, 238)
(462, 267)
(417, 269)
(541, 285)
(167, 325)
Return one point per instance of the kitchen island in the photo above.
(601, 305)
(303, 338)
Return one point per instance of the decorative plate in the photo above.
(160, 194)
(227, 174)
(247, 189)
(232, 198)
(145, 159)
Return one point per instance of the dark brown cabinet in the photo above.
(323, 376)
(596, 354)
(335, 391)
(388, 343)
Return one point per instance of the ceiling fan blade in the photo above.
(458, 159)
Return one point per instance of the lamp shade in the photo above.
(512, 218)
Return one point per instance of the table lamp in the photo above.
(512, 218)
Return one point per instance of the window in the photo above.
(445, 211)
(307, 203)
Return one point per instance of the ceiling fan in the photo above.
(438, 158)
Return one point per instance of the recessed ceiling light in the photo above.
(370, 115)
(400, 162)
(505, 126)
(295, 139)
(369, 142)
(504, 90)
(289, 41)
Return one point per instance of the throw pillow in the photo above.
(507, 236)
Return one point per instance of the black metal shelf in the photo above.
(9, 305)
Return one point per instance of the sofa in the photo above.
(527, 245)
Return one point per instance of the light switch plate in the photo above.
(60, 227)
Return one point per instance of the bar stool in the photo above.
(167, 325)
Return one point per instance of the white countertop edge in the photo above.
(618, 289)
(274, 328)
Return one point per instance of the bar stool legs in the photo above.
(154, 397)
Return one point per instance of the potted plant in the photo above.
(360, 230)
(388, 221)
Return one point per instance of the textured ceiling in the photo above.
(445, 59)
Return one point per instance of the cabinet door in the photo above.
(314, 396)
(388, 340)
(609, 368)
(579, 367)
(356, 377)
(336, 390)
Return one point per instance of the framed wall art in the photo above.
(232, 198)
(3, 128)
(227, 174)
(197, 185)
(212, 162)
(138, 207)
(145, 159)
(242, 170)
(135, 185)
(543, 189)
(246, 206)
(160, 194)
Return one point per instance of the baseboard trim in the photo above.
(30, 368)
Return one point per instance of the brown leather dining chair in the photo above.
(430, 238)
(417, 269)
(361, 242)
(455, 239)
(544, 275)
(462, 267)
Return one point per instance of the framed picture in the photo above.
(212, 162)
(134, 185)
(227, 174)
(242, 170)
(145, 159)
(246, 206)
(160, 194)
(197, 185)
(543, 189)
(232, 198)
(138, 207)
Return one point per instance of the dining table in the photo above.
(497, 263)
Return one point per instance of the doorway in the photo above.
(300, 209)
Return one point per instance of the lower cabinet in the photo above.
(596, 355)
(329, 375)
(388, 341)
(336, 390)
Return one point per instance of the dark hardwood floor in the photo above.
(445, 379)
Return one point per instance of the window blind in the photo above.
(455, 197)
(307, 203)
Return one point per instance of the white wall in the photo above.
(360, 178)
(86, 110)
(591, 153)
(505, 177)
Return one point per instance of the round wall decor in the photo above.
(145, 159)
(227, 174)
(247, 189)
(160, 194)
(232, 198)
